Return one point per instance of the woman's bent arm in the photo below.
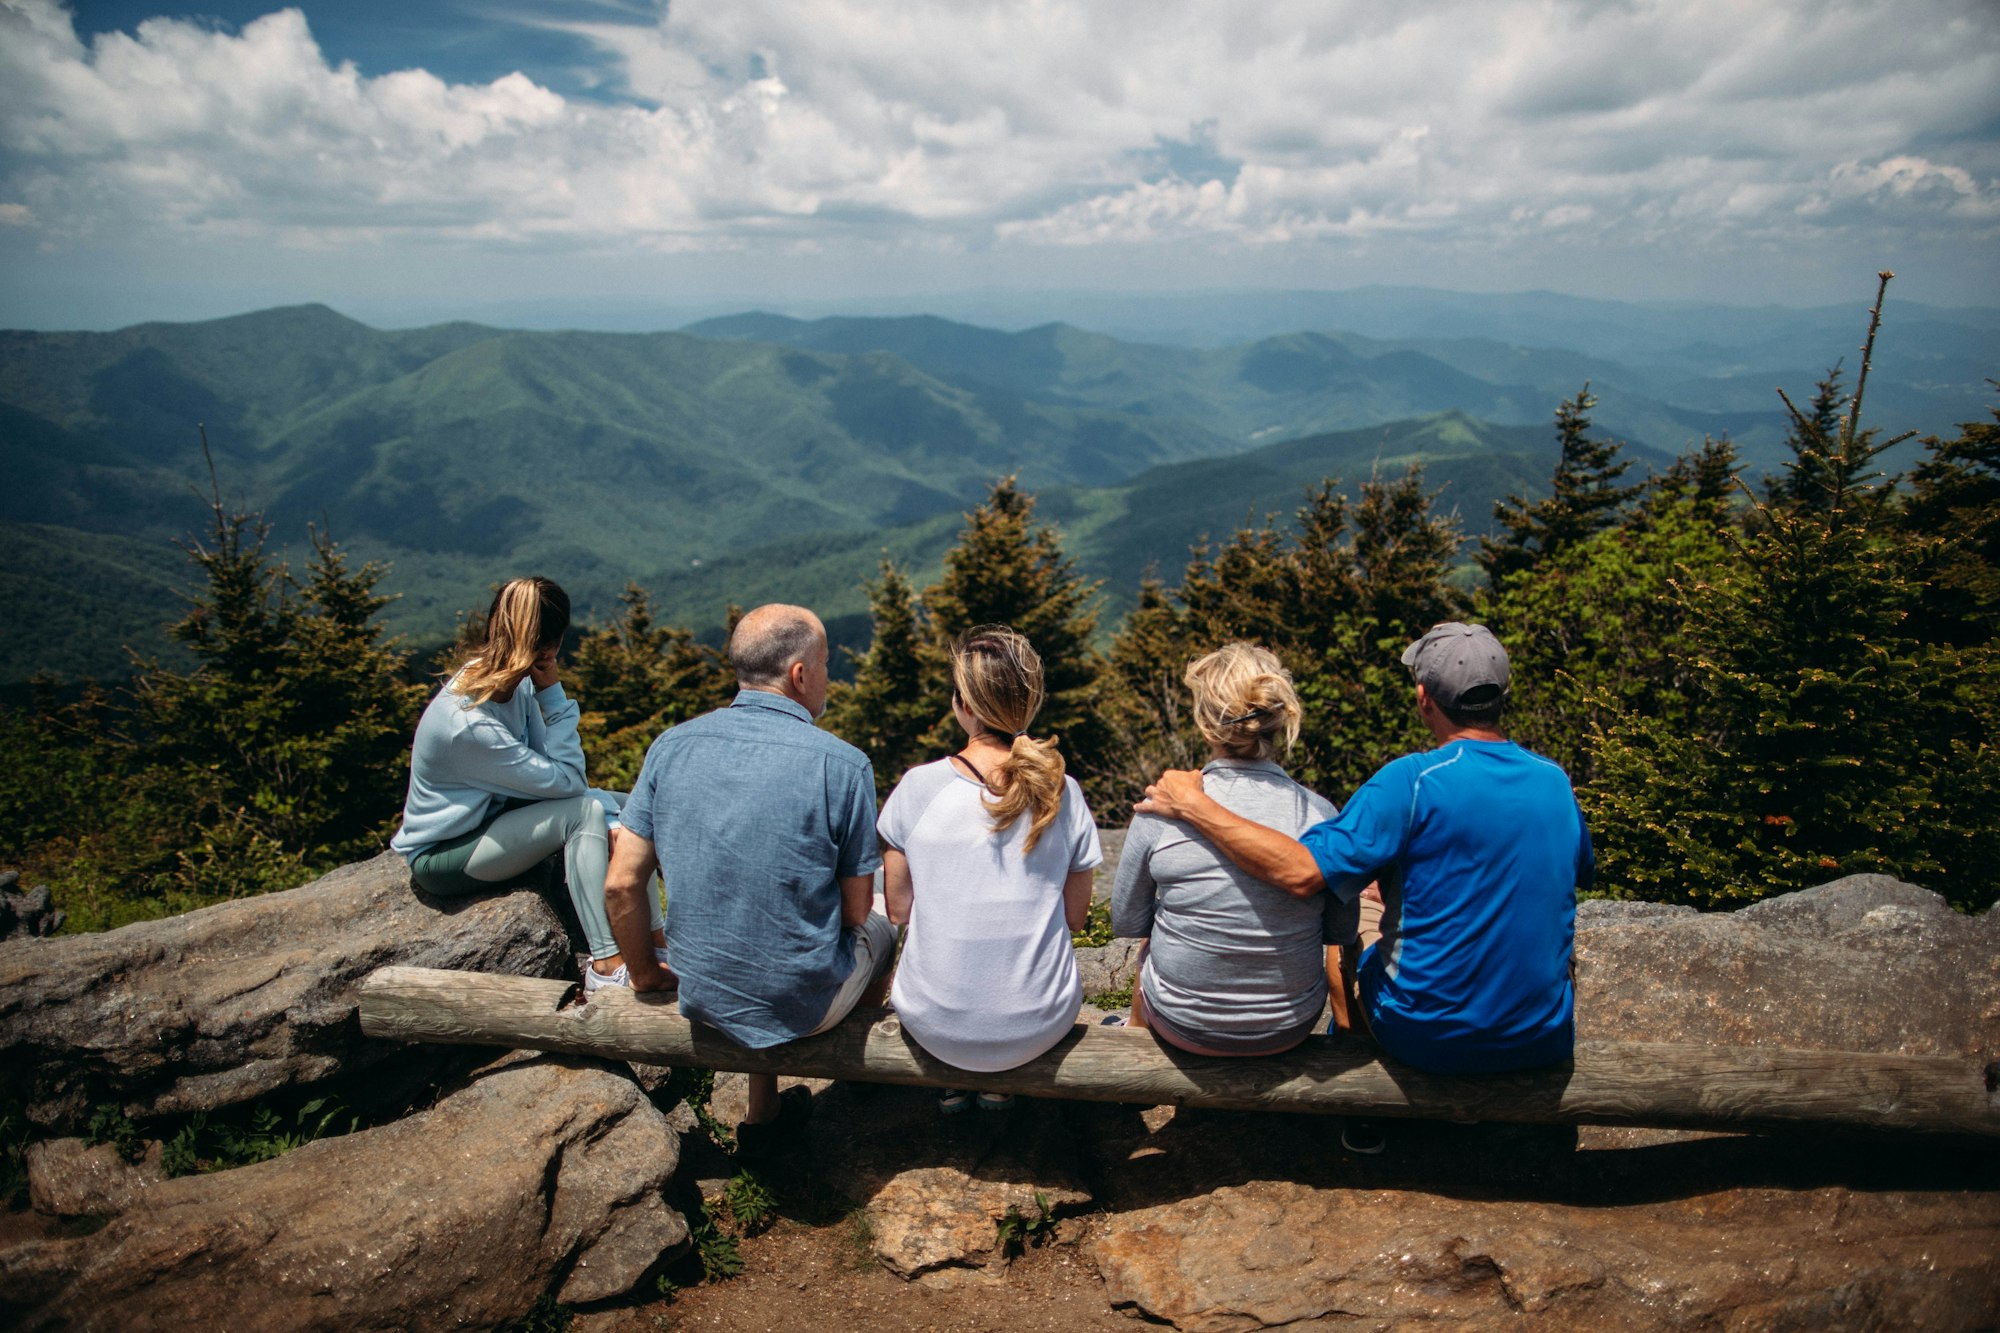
(896, 886)
(1076, 897)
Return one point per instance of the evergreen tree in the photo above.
(290, 735)
(634, 678)
(1955, 493)
(1145, 708)
(1811, 440)
(1599, 627)
(899, 694)
(1336, 596)
(1823, 734)
(1008, 570)
(1584, 498)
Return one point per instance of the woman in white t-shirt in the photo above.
(987, 856)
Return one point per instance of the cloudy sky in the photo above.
(417, 159)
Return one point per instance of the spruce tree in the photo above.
(1149, 725)
(1824, 735)
(1584, 498)
(1336, 595)
(1811, 438)
(899, 693)
(284, 749)
(1599, 627)
(633, 679)
(1008, 570)
(1955, 493)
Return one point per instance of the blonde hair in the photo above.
(997, 675)
(527, 616)
(1244, 702)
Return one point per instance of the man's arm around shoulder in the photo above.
(1271, 856)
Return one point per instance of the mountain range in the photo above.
(757, 455)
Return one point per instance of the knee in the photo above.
(585, 818)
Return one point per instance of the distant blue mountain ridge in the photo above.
(759, 455)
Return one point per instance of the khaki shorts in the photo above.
(874, 955)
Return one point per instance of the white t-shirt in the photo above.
(988, 978)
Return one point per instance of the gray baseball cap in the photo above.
(1459, 665)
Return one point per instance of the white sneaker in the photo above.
(594, 981)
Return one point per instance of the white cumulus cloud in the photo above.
(1030, 125)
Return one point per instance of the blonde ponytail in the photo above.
(997, 675)
(1034, 784)
(528, 616)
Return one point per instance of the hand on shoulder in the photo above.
(1173, 794)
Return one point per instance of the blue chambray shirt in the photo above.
(756, 814)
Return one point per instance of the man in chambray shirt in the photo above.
(763, 828)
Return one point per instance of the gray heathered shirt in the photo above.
(1231, 956)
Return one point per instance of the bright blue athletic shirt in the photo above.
(1480, 848)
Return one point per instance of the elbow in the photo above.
(1303, 881)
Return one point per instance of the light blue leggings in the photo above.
(514, 842)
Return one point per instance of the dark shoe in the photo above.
(755, 1142)
(1364, 1137)
(995, 1101)
(954, 1100)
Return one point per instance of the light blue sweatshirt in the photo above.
(470, 758)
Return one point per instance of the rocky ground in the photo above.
(479, 1189)
(1236, 1221)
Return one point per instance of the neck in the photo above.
(778, 690)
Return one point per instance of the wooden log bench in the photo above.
(1660, 1084)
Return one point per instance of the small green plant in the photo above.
(1096, 932)
(752, 1205)
(255, 1134)
(1113, 999)
(721, 1257)
(860, 1247)
(182, 1155)
(109, 1124)
(1016, 1230)
(667, 1287)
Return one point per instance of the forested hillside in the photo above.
(760, 456)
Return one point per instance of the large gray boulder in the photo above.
(1866, 963)
(228, 1003)
(542, 1172)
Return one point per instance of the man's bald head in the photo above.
(767, 641)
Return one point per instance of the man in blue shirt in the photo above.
(1479, 848)
(763, 828)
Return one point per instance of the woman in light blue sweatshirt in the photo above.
(496, 775)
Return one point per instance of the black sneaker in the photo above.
(755, 1142)
(1364, 1137)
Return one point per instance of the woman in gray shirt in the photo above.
(1232, 966)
